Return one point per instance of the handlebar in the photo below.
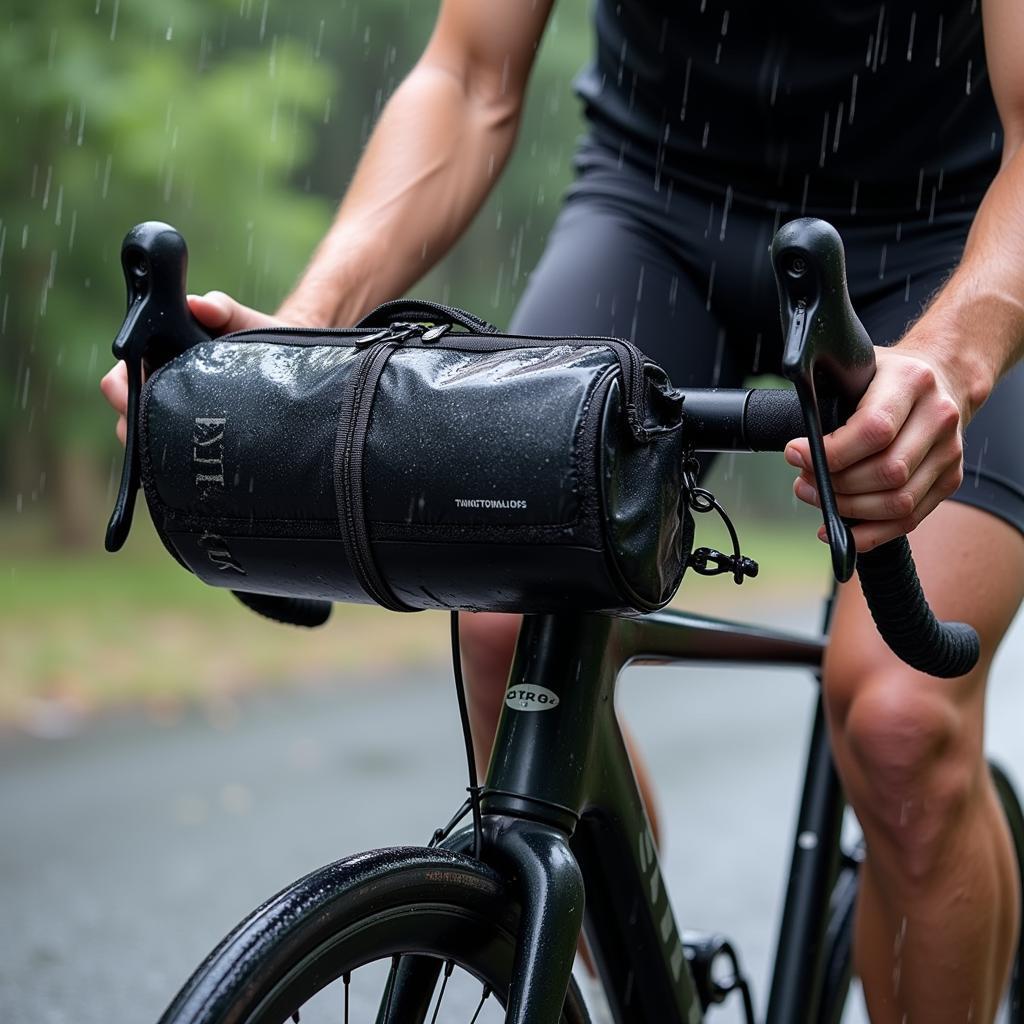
(827, 355)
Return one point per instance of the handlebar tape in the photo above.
(904, 619)
(292, 611)
(772, 419)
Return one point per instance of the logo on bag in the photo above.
(490, 503)
(208, 452)
(216, 548)
(530, 697)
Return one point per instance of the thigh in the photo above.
(606, 272)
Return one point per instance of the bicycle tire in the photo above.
(438, 906)
(839, 933)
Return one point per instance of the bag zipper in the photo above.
(631, 360)
(348, 462)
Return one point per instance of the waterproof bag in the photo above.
(421, 460)
(418, 460)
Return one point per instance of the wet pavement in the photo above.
(130, 848)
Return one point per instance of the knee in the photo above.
(907, 766)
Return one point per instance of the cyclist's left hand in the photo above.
(899, 455)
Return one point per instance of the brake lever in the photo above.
(827, 353)
(156, 327)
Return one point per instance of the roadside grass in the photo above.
(89, 632)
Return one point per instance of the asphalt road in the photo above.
(128, 849)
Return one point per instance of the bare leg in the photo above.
(937, 917)
(488, 642)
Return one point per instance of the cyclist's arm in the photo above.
(434, 155)
(436, 152)
(900, 454)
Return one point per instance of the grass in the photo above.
(89, 632)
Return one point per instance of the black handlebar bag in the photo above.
(420, 460)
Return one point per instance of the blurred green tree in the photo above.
(113, 112)
(239, 121)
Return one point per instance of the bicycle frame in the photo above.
(564, 816)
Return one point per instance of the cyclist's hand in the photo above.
(899, 454)
(216, 311)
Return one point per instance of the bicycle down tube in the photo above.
(560, 767)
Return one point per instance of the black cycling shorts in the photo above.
(685, 274)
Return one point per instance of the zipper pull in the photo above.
(371, 338)
(435, 332)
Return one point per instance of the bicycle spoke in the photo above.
(483, 999)
(448, 968)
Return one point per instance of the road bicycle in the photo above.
(483, 923)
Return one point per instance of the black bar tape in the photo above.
(292, 611)
(904, 620)
(772, 419)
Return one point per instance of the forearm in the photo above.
(431, 161)
(975, 325)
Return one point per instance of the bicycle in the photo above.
(559, 838)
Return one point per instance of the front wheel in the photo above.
(411, 935)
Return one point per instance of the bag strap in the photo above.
(423, 309)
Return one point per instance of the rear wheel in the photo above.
(408, 935)
(839, 935)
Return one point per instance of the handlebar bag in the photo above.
(420, 460)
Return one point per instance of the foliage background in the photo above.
(238, 121)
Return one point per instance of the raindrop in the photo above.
(881, 263)
(920, 188)
(720, 349)
(725, 212)
(853, 99)
(931, 207)
(113, 20)
(803, 198)
(263, 19)
(839, 124)
(853, 198)
(3, 243)
(686, 88)
(938, 43)
(24, 237)
(319, 39)
(81, 124)
(169, 34)
(59, 207)
(52, 50)
(910, 39)
(824, 140)
(711, 285)
(704, 139)
(71, 233)
(906, 290)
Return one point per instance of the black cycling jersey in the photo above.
(814, 103)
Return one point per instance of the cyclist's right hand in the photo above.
(217, 312)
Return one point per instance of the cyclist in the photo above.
(709, 125)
